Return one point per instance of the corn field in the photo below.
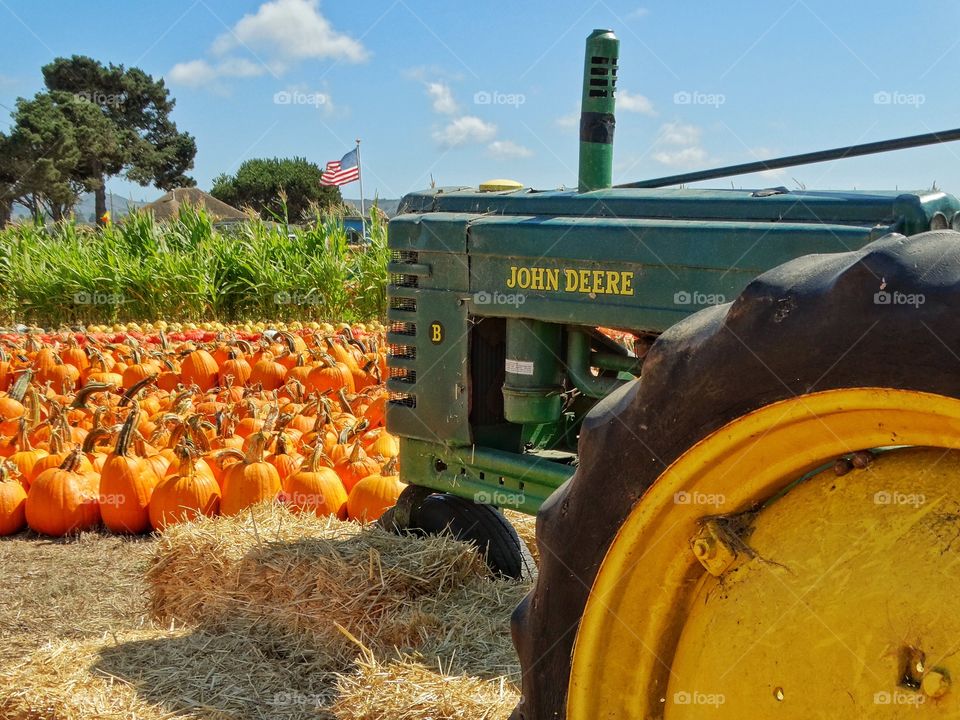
(187, 270)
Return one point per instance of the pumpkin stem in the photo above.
(188, 460)
(83, 394)
(122, 447)
(72, 460)
(390, 468)
(19, 388)
(136, 388)
(34, 406)
(254, 454)
(355, 453)
(229, 452)
(316, 455)
(197, 424)
(89, 445)
(22, 440)
(289, 340)
(344, 403)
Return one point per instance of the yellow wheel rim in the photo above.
(646, 617)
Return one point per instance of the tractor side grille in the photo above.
(403, 399)
(404, 304)
(398, 327)
(404, 350)
(403, 279)
(404, 375)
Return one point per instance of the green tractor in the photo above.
(736, 414)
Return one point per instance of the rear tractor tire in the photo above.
(708, 552)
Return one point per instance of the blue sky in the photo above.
(702, 83)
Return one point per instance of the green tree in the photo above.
(148, 147)
(265, 184)
(46, 158)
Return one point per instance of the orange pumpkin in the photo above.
(126, 483)
(62, 500)
(250, 481)
(185, 496)
(354, 467)
(13, 503)
(316, 488)
(267, 373)
(375, 494)
(200, 369)
(11, 405)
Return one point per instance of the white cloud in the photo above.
(291, 28)
(442, 98)
(640, 12)
(676, 133)
(201, 72)
(464, 131)
(280, 32)
(193, 72)
(634, 103)
(678, 145)
(571, 119)
(682, 158)
(508, 149)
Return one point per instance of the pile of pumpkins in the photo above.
(138, 433)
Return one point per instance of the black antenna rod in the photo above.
(840, 153)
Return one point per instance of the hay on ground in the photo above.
(405, 689)
(281, 616)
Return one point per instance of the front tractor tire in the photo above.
(421, 511)
(822, 358)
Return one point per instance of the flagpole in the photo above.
(363, 213)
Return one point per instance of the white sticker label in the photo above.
(520, 367)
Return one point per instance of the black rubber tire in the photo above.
(483, 525)
(812, 324)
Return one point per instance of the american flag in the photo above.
(342, 171)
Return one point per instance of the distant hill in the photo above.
(388, 206)
(118, 206)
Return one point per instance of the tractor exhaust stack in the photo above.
(597, 111)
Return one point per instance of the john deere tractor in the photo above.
(736, 414)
